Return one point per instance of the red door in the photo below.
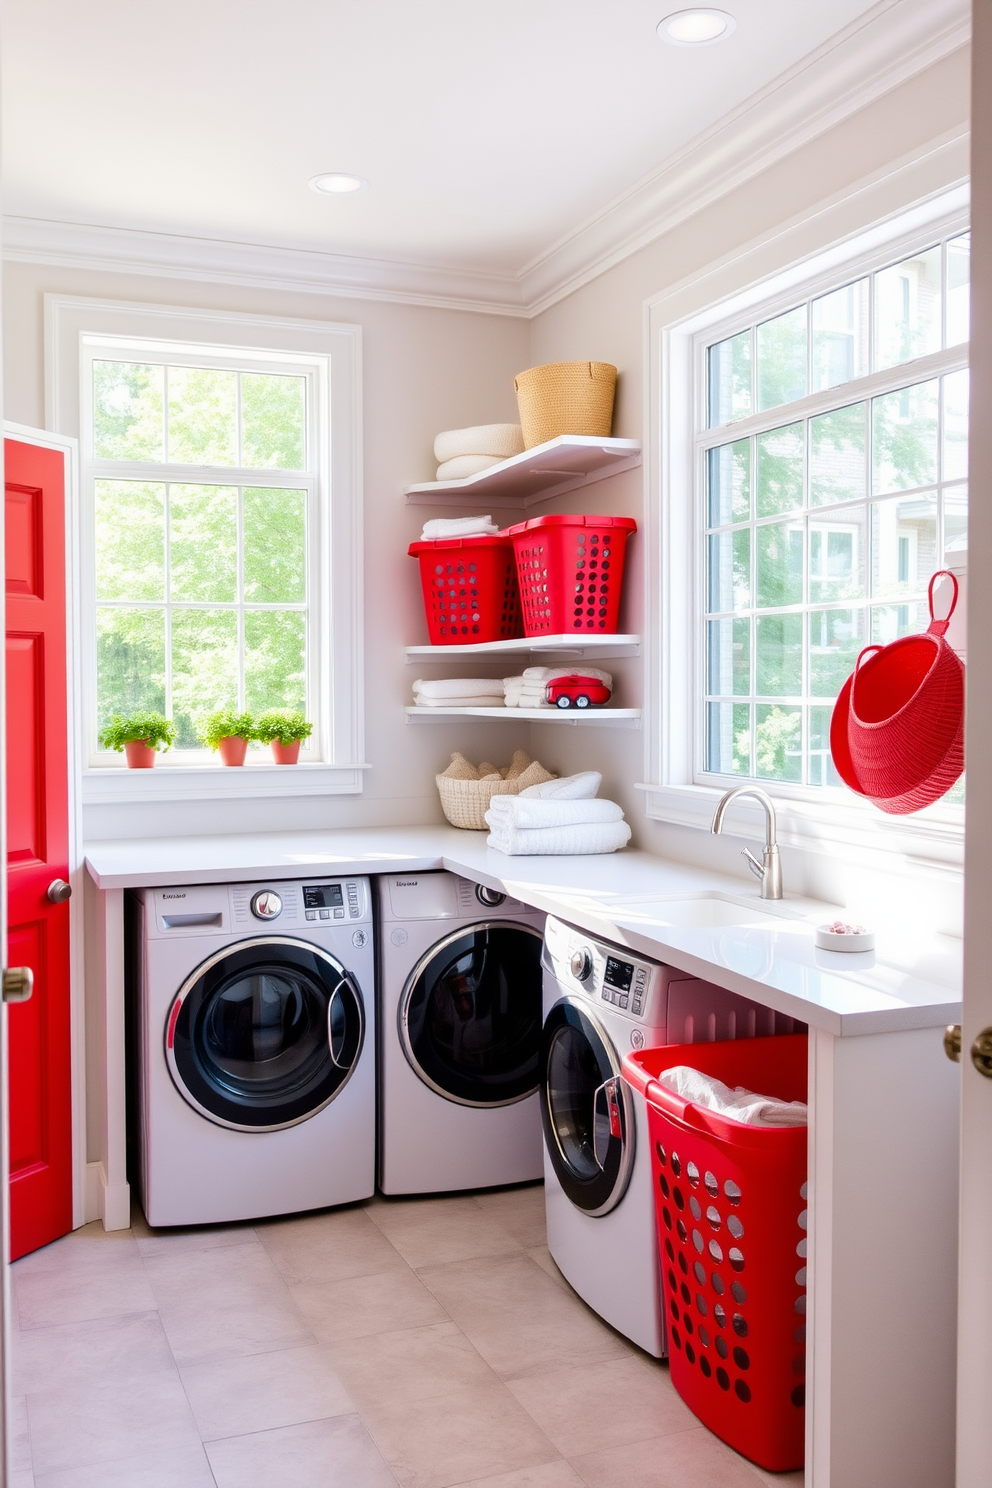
(38, 1042)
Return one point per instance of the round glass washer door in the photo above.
(265, 1034)
(470, 1014)
(586, 1109)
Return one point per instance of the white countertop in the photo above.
(904, 983)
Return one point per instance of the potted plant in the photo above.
(285, 729)
(139, 735)
(228, 732)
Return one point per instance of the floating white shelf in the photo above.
(547, 470)
(625, 717)
(568, 646)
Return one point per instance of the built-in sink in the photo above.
(699, 912)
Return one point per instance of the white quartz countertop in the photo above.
(908, 981)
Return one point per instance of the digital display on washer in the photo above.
(323, 896)
(618, 974)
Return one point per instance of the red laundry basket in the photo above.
(731, 1206)
(570, 570)
(470, 589)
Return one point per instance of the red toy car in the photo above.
(584, 692)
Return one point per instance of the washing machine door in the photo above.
(586, 1109)
(470, 1015)
(265, 1034)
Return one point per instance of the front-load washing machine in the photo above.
(600, 1000)
(460, 1030)
(256, 1048)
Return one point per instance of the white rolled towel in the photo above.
(514, 811)
(499, 440)
(441, 527)
(738, 1104)
(538, 675)
(462, 466)
(458, 687)
(581, 787)
(570, 841)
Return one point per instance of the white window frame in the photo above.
(329, 355)
(804, 259)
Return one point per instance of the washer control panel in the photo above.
(608, 974)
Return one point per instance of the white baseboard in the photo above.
(109, 1202)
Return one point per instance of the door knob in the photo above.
(18, 983)
(981, 1053)
(59, 891)
(952, 1042)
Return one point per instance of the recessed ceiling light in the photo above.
(696, 27)
(337, 183)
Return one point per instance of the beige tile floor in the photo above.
(422, 1343)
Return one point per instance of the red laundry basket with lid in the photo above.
(470, 589)
(570, 570)
(897, 729)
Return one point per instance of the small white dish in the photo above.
(841, 937)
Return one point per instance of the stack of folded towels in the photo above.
(528, 690)
(459, 692)
(559, 817)
(464, 452)
(441, 527)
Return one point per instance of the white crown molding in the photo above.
(885, 47)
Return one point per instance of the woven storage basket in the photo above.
(565, 398)
(465, 802)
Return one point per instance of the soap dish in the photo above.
(838, 936)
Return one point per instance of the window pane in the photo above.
(779, 655)
(836, 555)
(730, 380)
(889, 622)
(955, 426)
(203, 543)
(130, 540)
(273, 421)
(907, 309)
(904, 439)
(780, 470)
(204, 668)
(729, 585)
(730, 483)
(127, 411)
(778, 742)
(835, 638)
(203, 416)
(821, 765)
(275, 660)
(781, 353)
(275, 546)
(955, 521)
(837, 455)
(130, 661)
(840, 336)
(780, 564)
(903, 545)
(729, 653)
(728, 738)
(958, 289)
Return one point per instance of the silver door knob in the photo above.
(18, 983)
(59, 891)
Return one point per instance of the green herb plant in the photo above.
(149, 728)
(282, 726)
(227, 723)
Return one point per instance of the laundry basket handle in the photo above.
(939, 627)
(861, 656)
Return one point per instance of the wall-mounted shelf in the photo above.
(547, 470)
(579, 647)
(624, 717)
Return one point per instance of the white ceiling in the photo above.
(488, 132)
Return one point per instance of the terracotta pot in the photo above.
(140, 754)
(232, 749)
(285, 754)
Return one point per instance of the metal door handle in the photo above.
(59, 891)
(981, 1049)
(18, 983)
(606, 1122)
(952, 1042)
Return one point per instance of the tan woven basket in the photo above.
(465, 802)
(565, 398)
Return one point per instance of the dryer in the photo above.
(255, 1048)
(600, 1000)
(460, 1028)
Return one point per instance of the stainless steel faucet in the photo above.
(769, 870)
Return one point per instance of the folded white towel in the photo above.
(538, 675)
(514, 811)
(459, 687)
(441, 527)
(501, 440)
(484, 700)
(738, 1104)
(581, 787)
(586, 837)
(462, 466)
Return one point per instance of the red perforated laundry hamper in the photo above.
(470, 589)
(731, 1206)
(570, 570)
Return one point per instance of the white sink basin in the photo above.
(699, 912)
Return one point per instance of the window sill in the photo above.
(113, 785)
(846, 828)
